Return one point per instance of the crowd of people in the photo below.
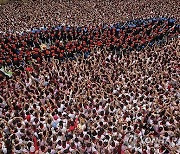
(65, 41)
(19, 16)
(102, 104)
(106, 80)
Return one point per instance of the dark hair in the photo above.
(100, 143)
(124, 127)
(42, 148)
(59, 142)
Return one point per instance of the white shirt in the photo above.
(71, 116)
(32, 149)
